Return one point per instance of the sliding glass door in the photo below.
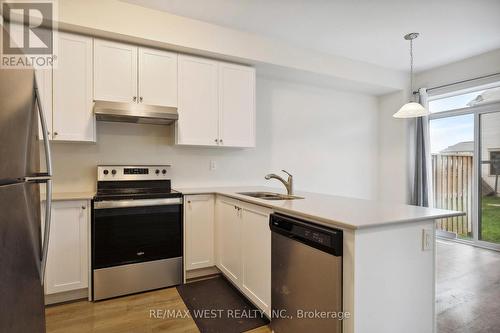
(489, 172)
(465, 149)
(452, 148)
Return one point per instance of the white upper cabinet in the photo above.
(73, 118)
(67, 261)
(199, 231)
(44, 82)
(198, 102)
(237, 105)
(216, 103)
(115, 71)
(157, 77)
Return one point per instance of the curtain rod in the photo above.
(463, 81)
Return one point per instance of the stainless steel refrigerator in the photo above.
(22, 254)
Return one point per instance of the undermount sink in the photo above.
(270, 196)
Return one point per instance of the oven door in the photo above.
(134, 231)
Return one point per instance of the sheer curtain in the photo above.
(422, 177)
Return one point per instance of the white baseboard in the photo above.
(200, 273)
(67, 296)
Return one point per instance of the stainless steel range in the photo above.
(136, 231)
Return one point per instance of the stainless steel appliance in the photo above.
(22, 256)
(136, 231)
(306, 276)
(135, 113)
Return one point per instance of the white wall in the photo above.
(394, 155)
(480, 65)
(326, 138)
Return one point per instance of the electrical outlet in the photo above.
(213, 165)
(427, 239)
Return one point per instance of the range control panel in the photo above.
(121, 172)
(136, 171)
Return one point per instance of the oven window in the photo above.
(136, 234)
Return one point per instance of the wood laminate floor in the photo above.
(130, 314)
(467, 294)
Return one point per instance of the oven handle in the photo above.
(136, 203)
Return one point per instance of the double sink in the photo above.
(270, 195)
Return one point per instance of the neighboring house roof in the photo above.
(491, 95)
(461, 147)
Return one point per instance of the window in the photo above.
(495, 162)
(465, 100)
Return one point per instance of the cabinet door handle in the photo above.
(140, 99)
(134, 98)
(216, 140)
(55, 133)
(83, 207)
(221, 141)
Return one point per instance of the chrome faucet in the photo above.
(288, 184)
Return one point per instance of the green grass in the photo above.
(490, 221)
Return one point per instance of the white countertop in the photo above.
(344, 212)
(61, 196)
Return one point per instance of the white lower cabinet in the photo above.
(229, 240)
(67, 261)
(199, 231)
(243, 242)
(256, 254)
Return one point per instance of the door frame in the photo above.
(477, 111)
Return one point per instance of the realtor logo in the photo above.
(27, 34)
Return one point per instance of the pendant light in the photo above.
(411, 109)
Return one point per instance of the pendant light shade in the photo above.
(411, 109)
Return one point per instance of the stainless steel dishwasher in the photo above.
(306, 275)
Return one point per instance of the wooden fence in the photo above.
(452, 182)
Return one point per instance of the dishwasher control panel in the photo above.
(323, 238)
(315, 236)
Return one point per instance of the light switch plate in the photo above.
(427, 239)
(213, 165)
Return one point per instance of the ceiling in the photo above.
(366, 30)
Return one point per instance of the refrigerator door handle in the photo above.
(44, 178)
(46, 233)
(46, 145)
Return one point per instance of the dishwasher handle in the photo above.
(326, 239)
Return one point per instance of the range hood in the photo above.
(135, 113)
